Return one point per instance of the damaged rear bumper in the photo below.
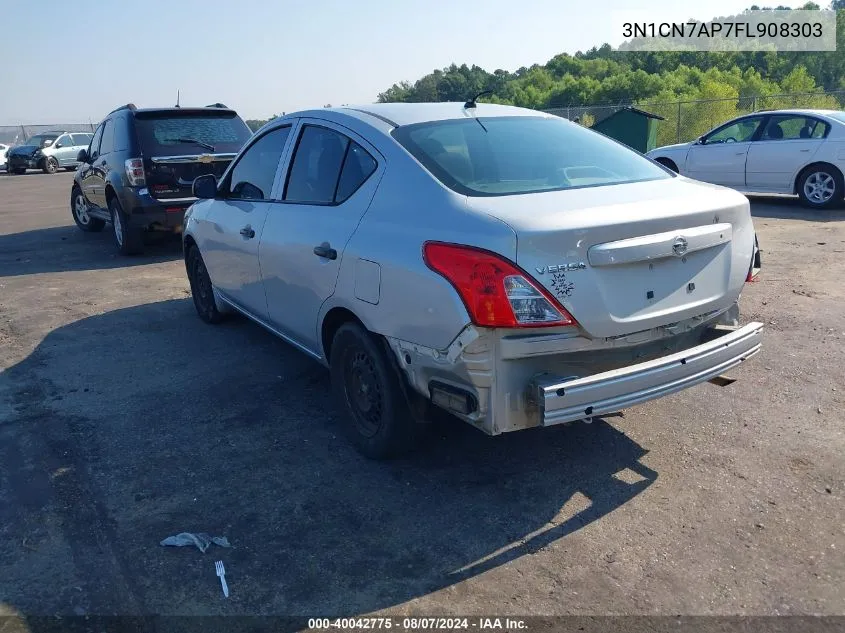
(559, 399)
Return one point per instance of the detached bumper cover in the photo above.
(565, 400)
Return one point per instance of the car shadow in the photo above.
(791, 208)
(160, 424)
(66, 248)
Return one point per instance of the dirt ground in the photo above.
(124, 419)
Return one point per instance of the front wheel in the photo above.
(821, 186)
(367, 388)
(51, 165)
(79, 210)
(129, 240)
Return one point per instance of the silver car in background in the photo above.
(508, 266)
(48, 151)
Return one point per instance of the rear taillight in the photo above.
(756, 263)
(135, 172)
(495, 291)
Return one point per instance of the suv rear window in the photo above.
(498, 156)
(173, 134)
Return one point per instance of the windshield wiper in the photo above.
(190, 140)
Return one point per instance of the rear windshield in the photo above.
(515, 155)
(170, 134)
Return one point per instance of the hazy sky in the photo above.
(63, 62)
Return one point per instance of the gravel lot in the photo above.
(124, 419)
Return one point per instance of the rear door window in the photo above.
(316, 166)
(190, 132)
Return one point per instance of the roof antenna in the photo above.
(177, 98)
(471, 103)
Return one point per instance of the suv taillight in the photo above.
(135, 172)
(495, 292)
(756, 263)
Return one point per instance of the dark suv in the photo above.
(138, 171)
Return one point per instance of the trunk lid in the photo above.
(631, 257)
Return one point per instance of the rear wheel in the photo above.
(51, 165)
(820, 186)
(367, 388)
(129, 240)
(79, 210)
(201, 288)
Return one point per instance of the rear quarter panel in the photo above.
(411, 302)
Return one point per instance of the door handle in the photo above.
(805, 150)
(740, 153)
(324, 250)
(248, 232)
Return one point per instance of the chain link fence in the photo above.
(687, 120)
(17, 134)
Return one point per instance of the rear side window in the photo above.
(107, 143)
(82, 140)
(497, 156)
(357, 167)
(189, 133)
(121, 138)
(253, 175)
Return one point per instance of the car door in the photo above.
(237, 219)
(786, 144)
(64, 150)
(331, 178)
(87, 173)
(719, 157)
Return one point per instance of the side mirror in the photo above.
(205, 187)
(59, 146)
(700, 140)
(82, 156)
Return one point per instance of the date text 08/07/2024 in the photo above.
(418, 624)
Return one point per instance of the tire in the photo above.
(129, 240)
(51, 165)
(821, 186)
(202, 290)
(79, 211)
(366, 387)
(669, 164)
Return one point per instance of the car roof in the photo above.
(399, 114)
(798, 111)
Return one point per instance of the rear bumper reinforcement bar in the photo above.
(565, 400)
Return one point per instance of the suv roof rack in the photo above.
(128, 106)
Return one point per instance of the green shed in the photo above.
(632, 126)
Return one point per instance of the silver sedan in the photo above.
(504, 265)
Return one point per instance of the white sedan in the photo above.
(779, 151)
(3, 150)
